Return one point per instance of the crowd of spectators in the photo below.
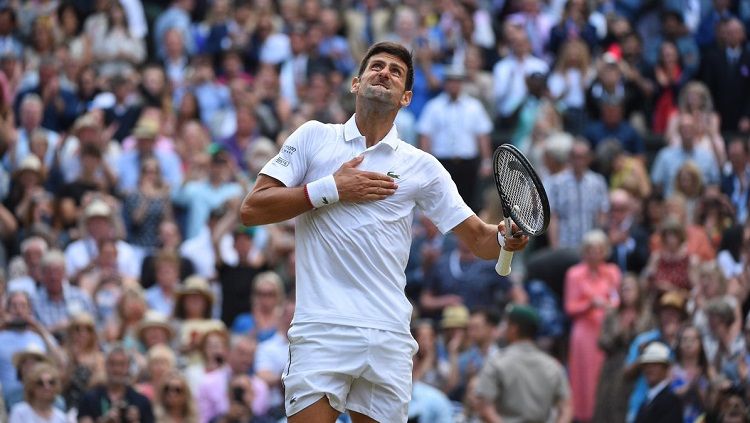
(131, 130)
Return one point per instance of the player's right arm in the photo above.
(270, 201)
(280, 192)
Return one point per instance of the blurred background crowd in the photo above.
(130, 131)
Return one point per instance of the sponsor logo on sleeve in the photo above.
(281, 161)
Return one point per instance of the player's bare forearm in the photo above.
(272, 202)
(481, 238)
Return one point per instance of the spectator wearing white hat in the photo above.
(88, 133)
(661, 404)
(99, 224)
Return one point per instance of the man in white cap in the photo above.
(99, 225)
(661, 404)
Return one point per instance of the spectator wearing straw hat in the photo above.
(192, 310)
(481, 335)
(154, 329)
(455, 318)
(661, 404)
(23, 362)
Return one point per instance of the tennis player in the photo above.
(354, 188)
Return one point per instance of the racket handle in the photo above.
(503, 262)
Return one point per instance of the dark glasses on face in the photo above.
(173, 388)
(50, 382)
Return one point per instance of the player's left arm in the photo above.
(481, 237)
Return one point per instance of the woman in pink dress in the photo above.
(590, 289)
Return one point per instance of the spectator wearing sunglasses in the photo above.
(174, 402)
(40, 390)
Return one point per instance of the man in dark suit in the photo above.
(125, 112)
(735, 181)
(629, 240)
(60, 105)
(661, 405)
(726, 71)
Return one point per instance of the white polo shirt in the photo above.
(351, 256)
(454, 127)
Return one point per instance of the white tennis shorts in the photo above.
(359, 369)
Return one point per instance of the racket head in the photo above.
(522, 195)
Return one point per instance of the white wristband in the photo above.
(322, 192)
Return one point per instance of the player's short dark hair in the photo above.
(393, 49)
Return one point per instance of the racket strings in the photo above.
(520, 193)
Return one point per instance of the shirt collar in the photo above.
(653, 392)
(351, 133)
(66, 287)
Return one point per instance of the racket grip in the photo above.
(503, 262)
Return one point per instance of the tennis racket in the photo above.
(522, 198)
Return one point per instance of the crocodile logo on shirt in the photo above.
(393, 175)
(325, 200)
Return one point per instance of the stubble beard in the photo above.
(377, 99)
